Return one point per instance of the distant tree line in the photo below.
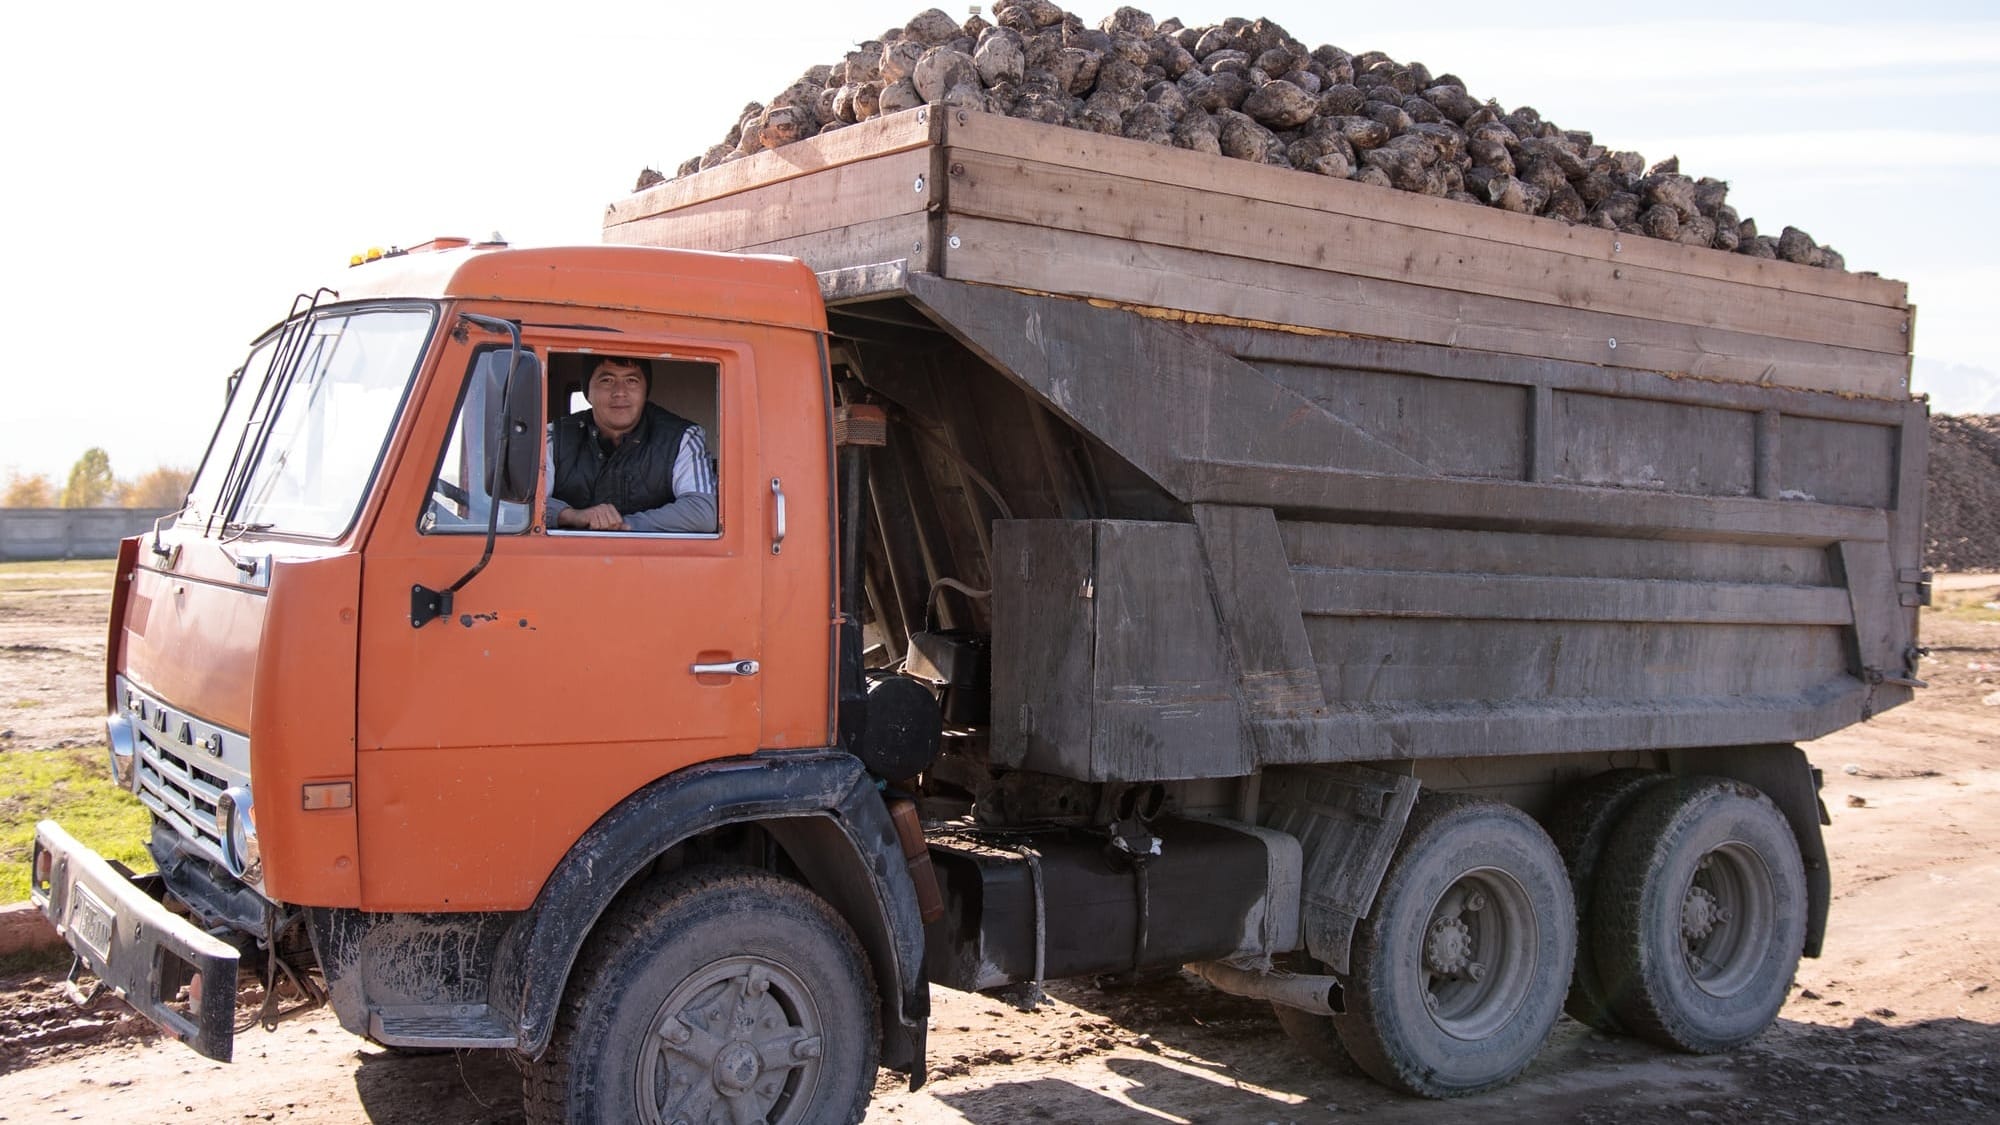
(92, 484)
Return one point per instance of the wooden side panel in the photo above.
(1153, 164)
(1831, 462)
(880, 137)
(1215, 285)
(1633, 443)
(849, 201)
(1458, 427)
(1044, 629)
(1221, 220)
(1166, 703)
(1260, 612)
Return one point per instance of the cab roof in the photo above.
(751, 288)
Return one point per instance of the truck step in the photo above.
(439, 1025)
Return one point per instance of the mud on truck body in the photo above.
(1364, 634)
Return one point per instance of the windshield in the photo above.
(308, 420)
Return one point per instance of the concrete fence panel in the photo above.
(70, 533)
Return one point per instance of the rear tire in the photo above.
(1581, 827)
(725, 994)
(1701, 907)
(1461, 966)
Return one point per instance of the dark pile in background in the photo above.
(1247, 89)
(1962, 512)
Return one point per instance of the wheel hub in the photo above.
(739, 1042)
(1700, 913)
(737, 1069)
(1448, 948)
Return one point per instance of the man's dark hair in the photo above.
(645, 369)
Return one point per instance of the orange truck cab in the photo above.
(464, 745)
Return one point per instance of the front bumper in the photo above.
(135, 945)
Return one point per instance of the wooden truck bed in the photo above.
(975, 197)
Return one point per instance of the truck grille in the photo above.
(183, 765)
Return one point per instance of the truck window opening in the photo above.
(688, 389)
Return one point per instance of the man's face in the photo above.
(617, 397)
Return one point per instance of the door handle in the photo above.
(726, 668)
(778, 499)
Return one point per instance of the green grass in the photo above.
(72, 787)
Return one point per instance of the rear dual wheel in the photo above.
(1698, 915)
(1460, 969)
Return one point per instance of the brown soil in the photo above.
(52, 627)
(1900, 1021)
(1962, 504)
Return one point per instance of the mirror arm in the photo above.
(427, 604)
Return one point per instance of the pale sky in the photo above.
(174, 173)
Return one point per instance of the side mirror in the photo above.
(514, 448)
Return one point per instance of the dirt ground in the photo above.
(1899, 1021)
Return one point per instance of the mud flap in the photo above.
(135, 946)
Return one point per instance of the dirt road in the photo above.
(1900, 1021)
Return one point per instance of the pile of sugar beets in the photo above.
(1247, 89)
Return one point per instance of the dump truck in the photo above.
(1403, 612)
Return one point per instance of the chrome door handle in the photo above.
(778, 498)
(726, 668)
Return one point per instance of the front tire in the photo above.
(1461, 967)
(722, 995)
(1701, 907)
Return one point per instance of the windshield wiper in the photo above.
(271, 395)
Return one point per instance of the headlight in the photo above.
(236, 820)
(118, 732)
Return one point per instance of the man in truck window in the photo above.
(627, 464)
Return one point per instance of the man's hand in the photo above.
(603, 517)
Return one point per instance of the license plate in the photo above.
(90, 921)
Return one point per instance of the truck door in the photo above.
(572, 670)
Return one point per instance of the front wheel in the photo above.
(1460, 968)
(1700, 917)
(721, 996)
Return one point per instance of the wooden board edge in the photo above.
(1086, 201)
(841, 196)
(881, 136)
(1207, 285)
(1004, 136)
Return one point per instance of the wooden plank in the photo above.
(1043, 624)
(1382, 733)
(878, 137)
(1518, 506)
(872, 243)
(1167, 277)
(1878, 618)
(1326, 592)
(1445, 550)
(1259, 611)
(1319, 349)
(1001, 136)
(860, 192)
(1089, 201)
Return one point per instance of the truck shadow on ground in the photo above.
(1173, 1047)
(1223, 1058)
(448, 1088)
